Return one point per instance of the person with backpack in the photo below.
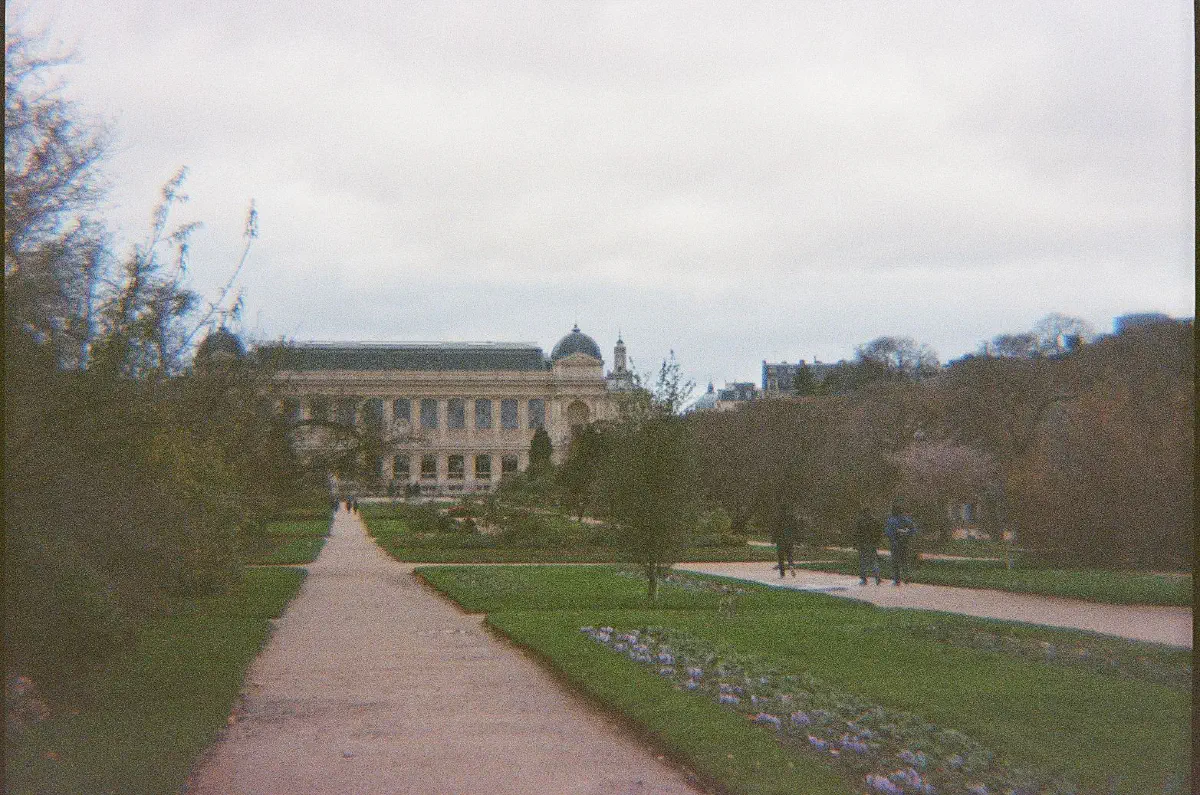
(900, 531)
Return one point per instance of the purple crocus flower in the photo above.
(817, 742)
(882, 784)
(853, 744)
(692, 684)
(800, 719)
(728, 698)
(766, 719)
(695, 673)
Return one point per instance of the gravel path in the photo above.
(1168, 625)
(373, 684)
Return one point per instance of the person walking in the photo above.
(899, 530)
(783, 533)
(867, 534)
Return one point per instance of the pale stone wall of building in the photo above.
(573, 386)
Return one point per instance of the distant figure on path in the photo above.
(783, 533)
(899, 530)
(867, 534)
(334, 505)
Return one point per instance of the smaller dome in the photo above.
(220, 344)
(575, 342)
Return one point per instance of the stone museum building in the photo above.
(461, 415)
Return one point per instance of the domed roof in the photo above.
(220, 343)
(706, 401)
(575, 342)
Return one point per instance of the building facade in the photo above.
(456, 416)
(779, 378)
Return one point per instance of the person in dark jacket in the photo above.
(783, 533)
(899, 530)
(867, 534)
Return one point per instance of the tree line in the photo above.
(132, 474)
(1081, 446)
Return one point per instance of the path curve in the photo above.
(1154, 624)
(372, 684)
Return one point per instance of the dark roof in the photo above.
(301, 357)
(220, 342)
(575, 342)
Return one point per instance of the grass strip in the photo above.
(290, 542)
(1093, 585)
(291, 552)
(160, 703)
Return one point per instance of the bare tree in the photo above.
(1058, 333)
(55, 250)
(901, 355)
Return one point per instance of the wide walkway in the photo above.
(373, 684)
(1168, 625)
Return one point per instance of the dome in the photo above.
(706, 401)
(575, 342)
(220, 344)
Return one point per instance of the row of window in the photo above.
(344, 411)
(399, 467)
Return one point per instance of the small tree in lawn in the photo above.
(649, 480)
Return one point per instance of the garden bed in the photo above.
(1032, 718)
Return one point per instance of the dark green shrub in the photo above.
(62, 618)
(425, 519)
(527, 530)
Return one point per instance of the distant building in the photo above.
(1123, 323)
(738, 393)
(462, 414)
(707, 401)
(778, 379)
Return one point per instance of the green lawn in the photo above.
(288, 542)
(1055, 717)
(160, 703)
(1110, 587)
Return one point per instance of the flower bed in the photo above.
(885, 750)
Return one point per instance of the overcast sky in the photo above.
(736, 181)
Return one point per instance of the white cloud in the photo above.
(739, 182)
